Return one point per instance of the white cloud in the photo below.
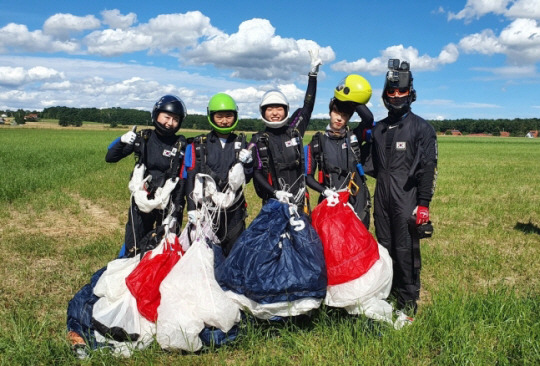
(17, 76)
(256, 52)
(114, 42)
(520, 41)
(378, 65)
(524, 9)
(486, 43)
(62, 25)
(178, 31)
(17, 38)
(479, 8)
(114, 19)
(475, 9)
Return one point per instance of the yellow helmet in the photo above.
(353, 88)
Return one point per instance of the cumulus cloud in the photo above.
(520, 41)
(17, 38)
(17, 76)
(114, 42)
(178, 31)
(114, 19)
(256, 52)
(378, 65)
(475, 9)
(63, 25)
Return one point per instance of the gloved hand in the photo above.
(244, 156)
(330, 194)
(315, 61)
(422, 215)
(192, 216)
(129, 137)
(283, 196)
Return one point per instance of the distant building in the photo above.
(532, 134)
(453, 132)
(32, 117)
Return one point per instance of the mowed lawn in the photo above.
(63, 210)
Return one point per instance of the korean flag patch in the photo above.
(401, 145)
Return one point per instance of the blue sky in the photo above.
(470, 59)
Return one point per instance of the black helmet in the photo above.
(399, 77)
(170, 104)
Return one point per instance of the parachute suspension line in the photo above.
(131, 203)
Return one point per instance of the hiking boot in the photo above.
(402, 320)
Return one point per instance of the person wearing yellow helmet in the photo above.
(338, 153)
(216, 155)
(279, 168)
(404, 162)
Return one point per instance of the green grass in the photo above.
(63, 210)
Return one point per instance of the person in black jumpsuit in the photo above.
(161, 151)
(279, 158)
(215, 154)
(332, 154)
(404, 161)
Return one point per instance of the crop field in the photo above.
(62, 216)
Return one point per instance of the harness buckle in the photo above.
(352, 186)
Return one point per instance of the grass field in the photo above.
(63, 209)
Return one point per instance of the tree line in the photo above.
(114, 117)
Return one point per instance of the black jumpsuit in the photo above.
(404, 161)
(157, 154)
(217, 162)
(339, 162)
(285, 154)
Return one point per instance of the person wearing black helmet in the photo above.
(156, 186)
(279, 154)
(404, 161)
(223, 157)
(337, 154)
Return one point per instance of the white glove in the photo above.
(192, 216)
(244, 156)
(315, 61)
(328, 193)
(283, 196)
(129, 137)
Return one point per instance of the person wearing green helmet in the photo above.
(338, 153)
(217, 156)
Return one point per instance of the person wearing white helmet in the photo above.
(338, 153)
(279, 154)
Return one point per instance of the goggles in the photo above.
(397, 92)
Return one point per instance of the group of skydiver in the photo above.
(400, 151)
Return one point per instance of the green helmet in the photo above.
(222, 102)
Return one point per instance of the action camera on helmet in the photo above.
(398, 78)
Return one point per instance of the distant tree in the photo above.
(19, 117)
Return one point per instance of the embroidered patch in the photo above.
(401, 145)
(344, 145)
(237, 145)
(169, 153)
(291, 142)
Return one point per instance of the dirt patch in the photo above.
(92, 220)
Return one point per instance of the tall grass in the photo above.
(63, 210)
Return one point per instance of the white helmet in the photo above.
(273, 97)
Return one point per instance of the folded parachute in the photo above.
(276, 267)
(191, 299)
(359, 269)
